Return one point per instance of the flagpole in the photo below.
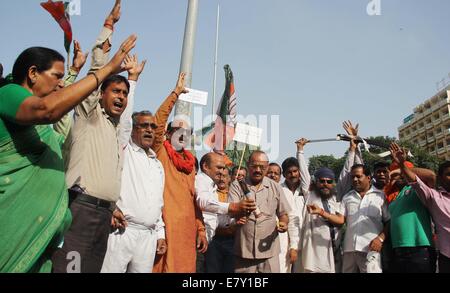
(187, 55)
(215, 65)
(68, 61)
(242, 158)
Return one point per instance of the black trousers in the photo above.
(444, 264)
(85, 242)
(219, 257)
(414, 260)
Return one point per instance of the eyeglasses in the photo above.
(323, 181)
(147, 125)
(255, 166)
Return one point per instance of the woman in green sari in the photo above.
(33, 194)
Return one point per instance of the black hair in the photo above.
(42, 58)
(380, 165)
(196, 164)
(366, 169)
(442, 167)
(114, 79)
(276, 165)
(206, 159)
(235, 169)
(288, 163)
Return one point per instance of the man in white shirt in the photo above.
(212, 165)
(366, 215)
(294, 190)
(133, 248)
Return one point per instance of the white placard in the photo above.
(248, 134)
(195, 97)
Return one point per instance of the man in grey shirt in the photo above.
(257, 245)
(94, 163)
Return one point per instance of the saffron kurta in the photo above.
(182, 217)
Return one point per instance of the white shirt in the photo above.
(365, 218)
(141, 194)
(206, 198)
(317, 248)
(208, 201)
(297, 201)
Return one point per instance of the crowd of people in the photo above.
(88, 185)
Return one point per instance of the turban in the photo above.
(324, 173)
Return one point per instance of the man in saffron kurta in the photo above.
(181, 215)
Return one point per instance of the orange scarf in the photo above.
(184, 162)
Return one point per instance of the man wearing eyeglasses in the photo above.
(256, 243)
(319, 210)
(140, 232)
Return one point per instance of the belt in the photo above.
(75, 195)
(142, 227)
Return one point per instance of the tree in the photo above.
(379, 144)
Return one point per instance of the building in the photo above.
(429, 125)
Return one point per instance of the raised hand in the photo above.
(79, 59)
(133, 67)
(179, 88)
(301, 143)
(399, 155)
(114, 15)
(350, 129)
(116, 62)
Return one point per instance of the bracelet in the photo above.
(173, 92)
(96, 78)
(109, 25)
(322, 213)
(381, 239)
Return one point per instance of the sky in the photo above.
(311, 63)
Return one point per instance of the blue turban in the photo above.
(324, 173)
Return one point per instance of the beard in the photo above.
(326, 192)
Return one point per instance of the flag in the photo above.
(59, 12)
(223, 128)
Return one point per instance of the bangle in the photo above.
(322, 213)
(173, 92)
(109, 25)
(96, 78)
(381, 239)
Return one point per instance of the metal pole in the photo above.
(187, 55)
(215, 66)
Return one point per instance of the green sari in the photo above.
(33, 195)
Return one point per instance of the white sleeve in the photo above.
(126, 123)
(206, 201)
(344, 183)
(294, 224)
(160, 229)
(305, 177)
